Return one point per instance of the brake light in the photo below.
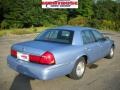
(13, 53)
(34, 58)
(46, 58)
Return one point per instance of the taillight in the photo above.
(34, 58)
(13, 53)
(46, 58)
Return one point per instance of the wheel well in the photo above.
(113, 45)
(86, 58)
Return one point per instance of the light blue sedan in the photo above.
(60, 51)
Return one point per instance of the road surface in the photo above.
(103, 75)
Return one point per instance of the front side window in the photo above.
(87, 37)
(97, 35)
(58, 36)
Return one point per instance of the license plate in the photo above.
(22, 56)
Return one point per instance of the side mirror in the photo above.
(103, 39)
(106, 37)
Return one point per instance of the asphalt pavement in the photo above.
(103, 75)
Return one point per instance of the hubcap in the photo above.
(80, 68)
(111, 52)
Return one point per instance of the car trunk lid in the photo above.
(36, 47)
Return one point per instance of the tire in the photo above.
(111, 53)
(78, 70)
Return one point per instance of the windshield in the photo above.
(58, 36)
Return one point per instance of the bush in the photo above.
(94, 23)
(11, 24)
(107, 24)
(102, 24)
(79, 20)
(61, 20)
(117, 25)
(4, 25)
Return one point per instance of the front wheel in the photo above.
(111, 53)
(79, 69)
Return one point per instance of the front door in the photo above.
(90, 46)
(102, 43)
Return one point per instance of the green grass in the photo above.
(22, 31)
(2, 33)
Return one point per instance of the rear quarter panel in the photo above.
(68, 56)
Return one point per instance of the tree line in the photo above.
(101, 14)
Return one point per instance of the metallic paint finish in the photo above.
(65, 55)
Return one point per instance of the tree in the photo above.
(85, 8)
(108, 10)
(22, 13)
(26, 13)
(104, 9)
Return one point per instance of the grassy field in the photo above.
(22, 31)
(27, 31)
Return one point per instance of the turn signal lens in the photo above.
(13, 53)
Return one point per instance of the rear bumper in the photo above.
(38, 71)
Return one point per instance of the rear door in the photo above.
(90, 46)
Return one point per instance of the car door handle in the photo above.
(99, 45)
(88, 49)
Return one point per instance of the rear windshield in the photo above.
(58, 36)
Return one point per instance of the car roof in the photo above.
(73, 28)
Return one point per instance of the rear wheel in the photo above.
(79, 69)
(111, 53)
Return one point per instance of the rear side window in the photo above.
(87, 37)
